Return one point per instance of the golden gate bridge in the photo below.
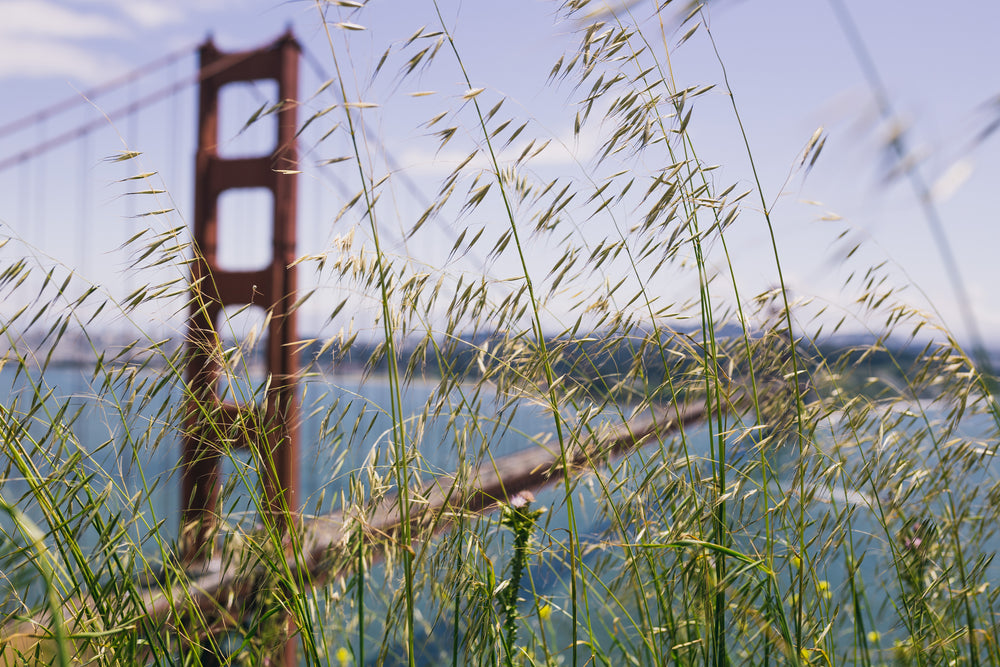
(83, 175)
(240, 255)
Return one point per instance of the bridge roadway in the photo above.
(216, 590)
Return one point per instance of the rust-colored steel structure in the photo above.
(268, 430)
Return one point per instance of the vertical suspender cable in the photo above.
(82, 234)
(132, 145)
(37, 224)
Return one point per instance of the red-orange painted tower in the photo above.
(268, 430)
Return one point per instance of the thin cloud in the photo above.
(46, 39)
(76, 40)
(151, 14)
(40, 18)
(54, 58)
(146, 14)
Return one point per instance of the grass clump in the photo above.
(832, 506)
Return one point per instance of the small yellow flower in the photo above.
(343, 656)
(873, 637)
(795, 561)
(823, 588)
(545, 612)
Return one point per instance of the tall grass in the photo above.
(821, 513)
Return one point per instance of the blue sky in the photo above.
(788, 62)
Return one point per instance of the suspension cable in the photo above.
(96, 91)
(121, 112)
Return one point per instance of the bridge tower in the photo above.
(268, 430)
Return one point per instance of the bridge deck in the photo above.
(327, 537)
(217, 590)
